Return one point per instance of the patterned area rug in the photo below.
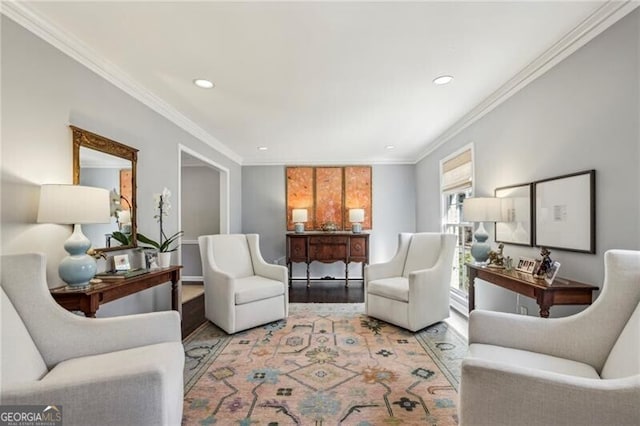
(327, 364)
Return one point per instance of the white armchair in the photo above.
(579, 370)
(412, 289)
(241, 290)
(113, 371)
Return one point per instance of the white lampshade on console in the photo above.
(299, 217)
(356, 217)
(481, 209)
(75, 205)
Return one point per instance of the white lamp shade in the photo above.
(356, 215)
(482, 209)
(73, 204)
(299, 215)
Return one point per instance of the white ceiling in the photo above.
(320, 82)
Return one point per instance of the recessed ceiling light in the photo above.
(390, 147)
(443, 79)
(205, 84)
(262, 148)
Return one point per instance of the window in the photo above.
(456, 184)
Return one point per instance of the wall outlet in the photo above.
(522, 310)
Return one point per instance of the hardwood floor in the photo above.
(332, 291)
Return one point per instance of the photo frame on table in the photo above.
(518, 214)
(526, 265)
(565, 212)
(552, 273)
(121, 262)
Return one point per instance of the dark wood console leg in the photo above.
(346, 275)
(308, 279)
(544, 311)
(289, 272)
(472, 274)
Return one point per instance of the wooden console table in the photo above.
(561, 292)
(89, 299)
(327, 247)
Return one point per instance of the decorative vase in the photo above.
(164, 259)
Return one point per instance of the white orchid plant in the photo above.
(162, 207)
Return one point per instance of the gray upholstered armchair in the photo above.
(112, 371)
(580, 370)
(241, 290)
(412, 289)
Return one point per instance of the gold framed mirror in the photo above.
(105, 163)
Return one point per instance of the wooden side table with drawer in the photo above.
(327, 247)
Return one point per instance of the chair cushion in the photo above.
(533, 360)
(624, 358)
(254, 288)
(20, 359)
(396, 288)
(162, 355)
(231, 254)
(423, 253)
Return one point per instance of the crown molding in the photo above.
(25, 16)
(601, 19)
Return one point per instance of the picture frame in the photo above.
(517, 202)
(565, 212)
(151, 259)
(526, 265)
(121, 262)
(552, 273)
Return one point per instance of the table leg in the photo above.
(289, 273)
(175, 293)
(472, 274)
(346, 274)
(308, 277)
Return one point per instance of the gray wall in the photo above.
(200, 213)
(43, 91)
(200, 201)
(582, 114)
(263, 201)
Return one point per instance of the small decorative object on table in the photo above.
(508, 263)
(329, 226)
(526, 265)
(121, 262)
(496, 259)
(164, 246)
(151, 258)
(552, 272)
(544, 264)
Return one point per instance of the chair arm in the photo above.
(496, 394)
(426, 283)
(550, 336)
(381, 270)
(274, 272)
(92, 336)
(260, 266)
(121, 397)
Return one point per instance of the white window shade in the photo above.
(457, 172)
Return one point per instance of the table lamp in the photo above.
(356, 217)
(299, 217)
(481, 209)
(75, 205)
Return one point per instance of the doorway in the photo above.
(203, 210)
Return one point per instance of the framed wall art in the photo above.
(518, 214)
(565, 212)
(327, 194)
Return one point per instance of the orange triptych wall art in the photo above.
(327, 193)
